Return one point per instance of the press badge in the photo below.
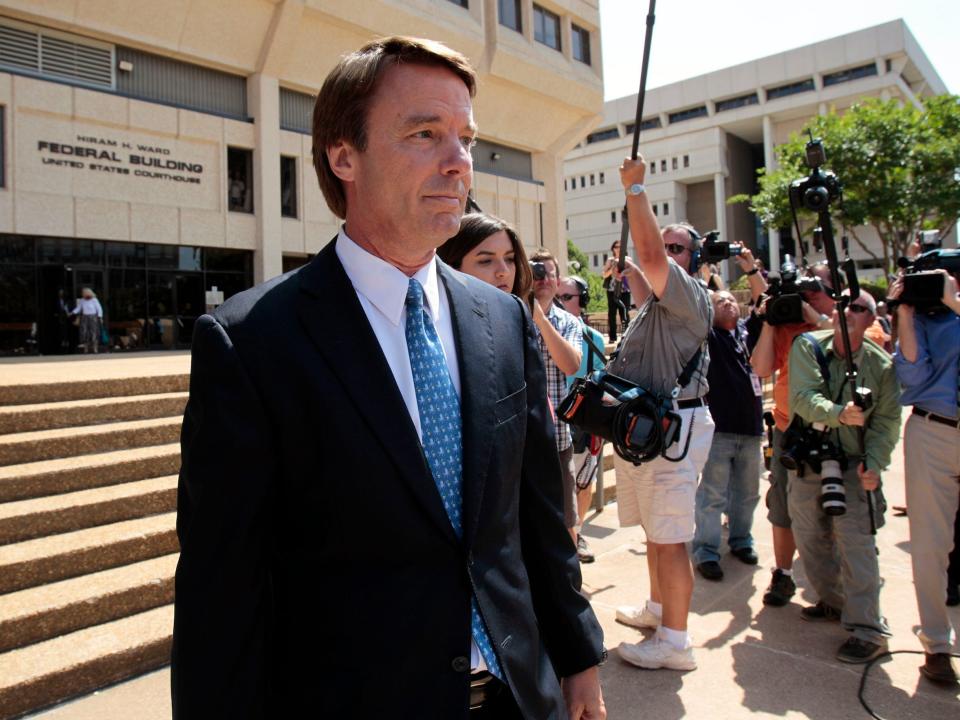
(755, 381)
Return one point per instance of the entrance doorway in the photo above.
(55, 331)
(176, 301)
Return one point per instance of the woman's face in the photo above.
(492, 261)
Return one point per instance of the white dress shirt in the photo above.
(88, 307)
(382, 291)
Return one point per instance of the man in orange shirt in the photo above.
(769, 356)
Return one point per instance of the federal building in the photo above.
(160, 152)
(705, 138)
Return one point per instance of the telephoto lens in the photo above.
(833, 498)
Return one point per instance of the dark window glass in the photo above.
(648, 124)
(593, 180)
(461, 3)
(240, 180)
(564, 184)
(546, 27)
(663, 166)
(613, 216)
(509, 11)
(654, 206)
(848, 75)
(68, 250)
(596, 261)
(601, 178)
(790, 89)
(606, 134)
(16, 249)
(131, 255)
(666, 208)
(737, 102)
(690, 114)
(581, 44)
(222, 260)
(126, 308)
(583, 181)
(292, 262)
(2, 149)
(653, 168)
(229, 283)
(568, 223)
(18, 311)
(686, 161)
(673, 163)
(288, 187)
(174, 257)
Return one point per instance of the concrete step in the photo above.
(68, 442)
(28, 393)
(49, 477)
(46, 673)
(46, 416)
(41, 613)
(58, 557)
(39, 517)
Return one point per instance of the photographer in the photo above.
(666, 337)
(848, 591)
(559, 339)
(926, 361)
(769, 356)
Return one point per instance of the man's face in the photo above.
(726, 311)
(407, 190)
(859, 318)
(820, 301)
(677, 245)
(546, 289)
(569, 295)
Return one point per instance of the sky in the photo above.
(693, 37)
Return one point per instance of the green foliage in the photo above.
(598, 296)
(899, 166)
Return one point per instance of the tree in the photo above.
(899, 166)
(598, 295)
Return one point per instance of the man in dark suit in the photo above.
(378, 379)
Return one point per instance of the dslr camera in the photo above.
(539, 270)
(809, 445)
(922, 285)
(714, 250)
(785, 303)
(816, 191)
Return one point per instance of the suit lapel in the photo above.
(334, 319)
(473, 334)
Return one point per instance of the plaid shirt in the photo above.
(569, 328)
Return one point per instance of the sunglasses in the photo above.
(854, 308)
(567, 298)
(675, 248)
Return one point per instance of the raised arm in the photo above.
(648, 244)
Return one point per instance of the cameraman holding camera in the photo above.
(830, 510)
(927, 360)
(666, 340)
(769, 356)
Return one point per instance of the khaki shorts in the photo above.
(661, 495)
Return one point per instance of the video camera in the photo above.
(785, 303)
(715, 250)
(810, 445)
(922, 284)
(539, 270)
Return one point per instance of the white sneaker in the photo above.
(638, 617)
(654, 653)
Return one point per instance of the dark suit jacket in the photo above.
(319, 576)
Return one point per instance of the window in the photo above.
(583, 181)
(737, 102)
(847, 75)
(601, 174)
(790, 89)
(606, 134)
(509, 11)
(564, 184)
(686, 161)
(2, 149)
(568, 223)
(888, 64)
(240, 180)
(654, 206)
(613, 216)
(461, 3)
(663, 166)
(581, 44)
(596, 261)
(673, 163)
(653, 168)
(546, 27)
(666, 208)
(604, 257)
(680, 116)
(648, 124)
(623, 216)
(288, 187)
(593, 179)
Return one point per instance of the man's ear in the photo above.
(342, 158)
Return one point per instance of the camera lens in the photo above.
(539, 270)
(816, 198)
(833, 498)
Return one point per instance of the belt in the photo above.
(936, 418)
(484, 687)
(691, 403)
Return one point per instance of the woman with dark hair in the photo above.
(489, 249)
(618, 292)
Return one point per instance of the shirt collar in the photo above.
(384, 285)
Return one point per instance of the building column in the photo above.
(770, 163)
(548, 168)
(263, 93)
(720, 210)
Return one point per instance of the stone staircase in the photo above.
(88, 548)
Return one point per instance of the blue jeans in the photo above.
(730, 483)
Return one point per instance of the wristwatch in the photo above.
(636, 189)
(754, 271)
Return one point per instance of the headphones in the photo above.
(584, 290)
(695, 244)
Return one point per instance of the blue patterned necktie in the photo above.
(439, 409)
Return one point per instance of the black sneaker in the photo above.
(583, 550)
(856, 651)
(821, 612)
(746, 555)
(710, 570)
(780, 591)
(939, 669)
